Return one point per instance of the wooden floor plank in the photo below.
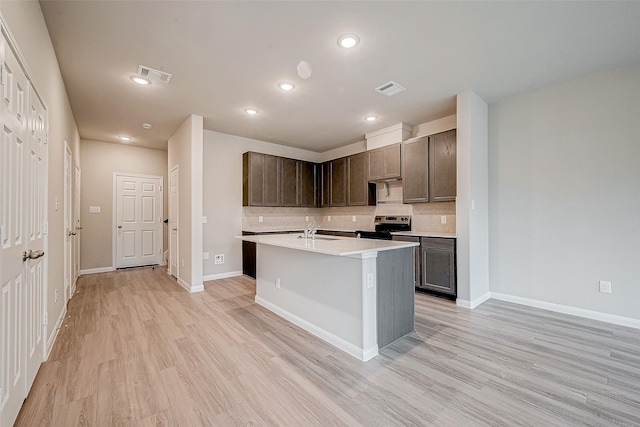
(136, 349)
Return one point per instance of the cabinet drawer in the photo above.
(438, 243)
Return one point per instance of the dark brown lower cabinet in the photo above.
(249, 250)
(438, 265)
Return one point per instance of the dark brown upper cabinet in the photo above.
(415, 170)
(289, 182)
(307, 184)
(442, 166)
(326, 185)
(338, 193)
(260, 179)
(359, 191)
(429, 168)
(384, 162)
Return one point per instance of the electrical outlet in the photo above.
(353, 218)
(55, 296)
(45, 318)
(205, 255)
(277, 283)
(370, 281)
(329, 218)
(204, 219)
(219, 259)
(306, 218)
(443, 219)
(260, 218)
(605, 287)
(182, 262)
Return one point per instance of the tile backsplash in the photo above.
(425, 217)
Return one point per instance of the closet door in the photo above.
(23, 179)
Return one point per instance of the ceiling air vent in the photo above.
(152, 74)
(390, 88)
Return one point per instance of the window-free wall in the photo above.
(101, 160)
(565, 197)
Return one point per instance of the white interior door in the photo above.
(173, 222)
(78, 227)
(138, 221)
(23, 180)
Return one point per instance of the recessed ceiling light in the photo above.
(140, 80)
(125, 138)
(147, 125)
(371, 118)
(286, 86)
(348, 41)
(251, 111)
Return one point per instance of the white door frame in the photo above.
(114, 228)
(173, 255)
(68, 223)
(76, 209)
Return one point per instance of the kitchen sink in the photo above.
(320, 238)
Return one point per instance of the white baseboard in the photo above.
(473, 304)
(54, 334)
(188, 287)
(221, 275)
(347, 347)
(96, 270)
(566, 309)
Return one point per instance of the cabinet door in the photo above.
(357, 194)
(272, 180)
(375, 159)
(392, 168)
(339, 182)
(260, 179)
(384, 163)
(442, 167)
(307, 184)
(415, 170)
(326, 185)
(439, 264)
(289, 183)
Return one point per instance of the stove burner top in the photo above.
(385, 225)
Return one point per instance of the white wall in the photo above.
(185, 149)
(472, 210)
(564, 193)
(223, 195)
(26, 23)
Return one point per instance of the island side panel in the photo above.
(396, 295)
(323, 294)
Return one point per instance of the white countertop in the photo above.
(329, 245)
(424, 234)
(289, 230)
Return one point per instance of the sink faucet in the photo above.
(310, 231)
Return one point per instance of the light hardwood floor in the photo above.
(136, 349)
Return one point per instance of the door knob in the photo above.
(71, 233)
(119, 226)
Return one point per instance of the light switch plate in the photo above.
(260, 218)
(94, 209)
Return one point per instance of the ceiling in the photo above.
(228, 56)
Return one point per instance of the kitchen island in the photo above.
(357, 294)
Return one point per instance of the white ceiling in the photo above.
(227, 56)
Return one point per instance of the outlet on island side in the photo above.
(277, 283)
(219, 259)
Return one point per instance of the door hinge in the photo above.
(45, 318)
